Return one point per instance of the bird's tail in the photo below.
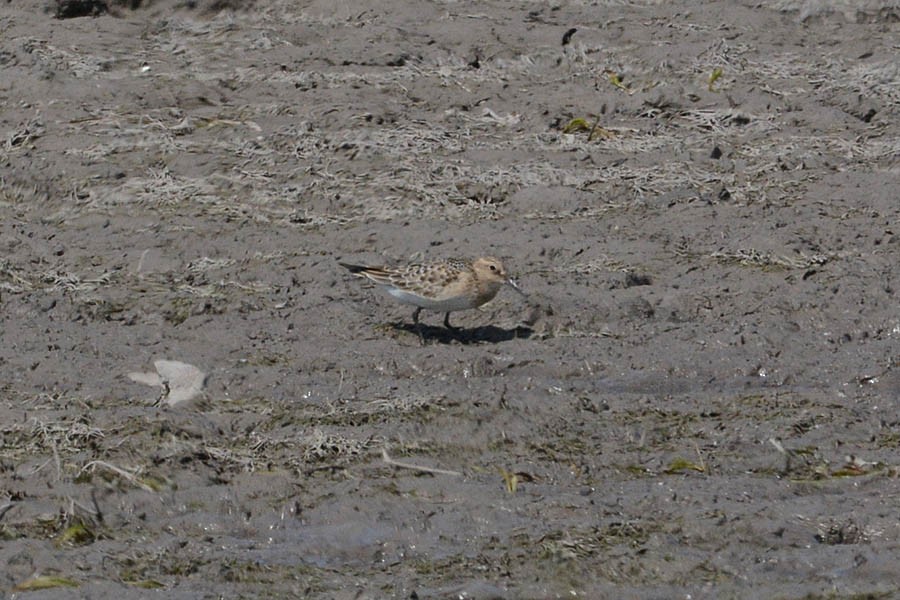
(353, 268)
(376, 274)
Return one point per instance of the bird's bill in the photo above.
(512, 283)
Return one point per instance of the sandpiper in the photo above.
(444, 286)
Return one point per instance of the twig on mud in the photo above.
(6, 508)
(130, 477)
(702, 462)
(784, 451)
(73, 504)
(97, 512)
(331, 468)
(403, 465)
(40, 467)
(56, 459)
(140, 264)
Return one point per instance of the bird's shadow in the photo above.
(476, 335)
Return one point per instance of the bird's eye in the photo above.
(493, 268)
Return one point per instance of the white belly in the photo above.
(446, 305)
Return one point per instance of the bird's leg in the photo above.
(447, 322)
(418, 325)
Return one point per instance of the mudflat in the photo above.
(697, 399)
